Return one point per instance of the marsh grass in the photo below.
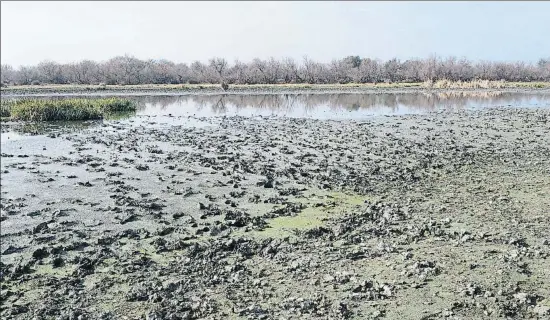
(482, 84)
(475, 84)
(4, 109)
(64, 109)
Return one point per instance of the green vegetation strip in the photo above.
(64, 109)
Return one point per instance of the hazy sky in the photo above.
(188, 31)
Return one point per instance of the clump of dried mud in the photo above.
(444, 215)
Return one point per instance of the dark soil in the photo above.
(443, 215)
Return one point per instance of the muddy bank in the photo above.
(442, 215)
(240, 89)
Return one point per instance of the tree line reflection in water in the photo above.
(280, 103)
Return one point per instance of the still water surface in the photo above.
(333, 106)
(185, 110)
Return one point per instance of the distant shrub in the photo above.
(35, 83)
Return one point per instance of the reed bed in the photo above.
(64, 109)
(482, 84)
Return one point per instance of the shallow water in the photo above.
(332, 106)
(193, 110)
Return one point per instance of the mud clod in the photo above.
(441, 215)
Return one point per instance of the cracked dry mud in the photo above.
(442, 215)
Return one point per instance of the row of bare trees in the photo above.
(130, 70)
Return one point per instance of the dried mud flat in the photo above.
(443, 215)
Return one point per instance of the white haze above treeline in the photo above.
(184, 32)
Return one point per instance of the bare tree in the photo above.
(429, 69)
(240, 73)
(50, 72)
(338, 72)
(465, 70)
(160, 71)
(411, 71)
(199, 72)
(127, 69)
(259, 71)
(544, 69)
(290, 71)
(392, 70)
(484, 70)
(183, 73)
(274, 70)
(83, 72)
(369, 71)
(220, 67)
(308, 70)
(7, 74)
(27, 75)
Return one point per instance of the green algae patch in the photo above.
(132, 310)
(308, 218)
(350, 199)
(343, 199)
(321, 206)
(49, 270)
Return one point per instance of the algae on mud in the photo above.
(455, 223)
(320, 206)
